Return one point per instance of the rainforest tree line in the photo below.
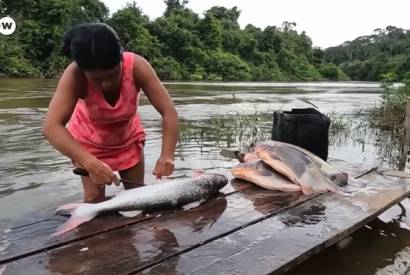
(184, 45)
(371, 57)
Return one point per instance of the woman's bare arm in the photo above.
(156, 93)
(71, 87)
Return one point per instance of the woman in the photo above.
(97, 96)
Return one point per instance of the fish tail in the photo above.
(340, 178)
(84, 213)
(68, 208)
(69, 225)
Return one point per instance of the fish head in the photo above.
(212, 183)
(284, 157)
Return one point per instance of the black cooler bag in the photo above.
(307, 128)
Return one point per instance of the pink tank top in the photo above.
(113, 134)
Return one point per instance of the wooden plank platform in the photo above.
(33, 235)
(244, 230)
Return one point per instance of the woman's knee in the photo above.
(135, 173)
(94, 197)
(92, 193)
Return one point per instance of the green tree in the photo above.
(227, 66)
(42, 23)
(181, 45)
(132, 28)
(210, 31)
(13, 63)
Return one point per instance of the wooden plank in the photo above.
(33, 236)
(145, 244)
(286, 239)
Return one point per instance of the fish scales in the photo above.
(164, 195)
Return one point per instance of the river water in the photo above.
(212, 116)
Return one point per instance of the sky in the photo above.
(327, 22)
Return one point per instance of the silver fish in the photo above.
(173, 193)
(300, 166)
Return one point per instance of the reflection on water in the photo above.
(378, 248)
(34, 177)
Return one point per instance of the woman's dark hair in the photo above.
(93, 46)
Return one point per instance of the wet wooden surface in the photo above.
(33, 236)
(282, 241)
(244, 230)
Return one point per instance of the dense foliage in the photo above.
(371, 57)
(181, 44)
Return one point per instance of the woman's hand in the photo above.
(100, 173)
(164, 167)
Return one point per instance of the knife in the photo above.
(83, 172)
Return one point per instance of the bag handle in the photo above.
(300, 99)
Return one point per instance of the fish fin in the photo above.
(192, 205)
(69, 225)
(130, 214)
(306, 190)
(66, 209)
(249, 157)
(197, 173)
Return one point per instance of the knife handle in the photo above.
(81, 172)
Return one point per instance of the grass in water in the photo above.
(238, 130)
(235, 130)
(390, 113)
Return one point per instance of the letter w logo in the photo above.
(7, 25)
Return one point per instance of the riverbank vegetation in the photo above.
(390, 113)
(371, 57)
